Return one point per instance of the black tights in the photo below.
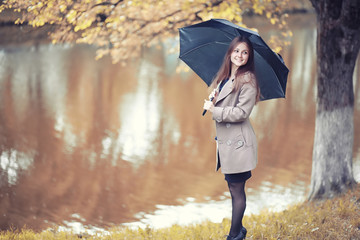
(238, 199)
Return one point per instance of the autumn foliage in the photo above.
(122, 27)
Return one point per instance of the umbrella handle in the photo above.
(211, 99)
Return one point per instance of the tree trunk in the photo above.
(338, 43)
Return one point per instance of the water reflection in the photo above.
(140, 117)
(89, 143)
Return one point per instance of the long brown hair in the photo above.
(225, 69)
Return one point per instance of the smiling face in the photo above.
(240, 55)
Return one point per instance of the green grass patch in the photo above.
(337, 218)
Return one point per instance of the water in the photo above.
(90, 144)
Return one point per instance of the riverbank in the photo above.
(337, 218)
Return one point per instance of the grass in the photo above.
(337, 218)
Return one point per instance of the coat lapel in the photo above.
(226, 90)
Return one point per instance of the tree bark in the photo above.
(338, 43)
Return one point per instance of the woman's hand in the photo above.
(208, 105)
(213, 93)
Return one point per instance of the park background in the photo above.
(90, 144)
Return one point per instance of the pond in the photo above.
(91, 144)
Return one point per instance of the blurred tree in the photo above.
(338, 44)
(122, 27)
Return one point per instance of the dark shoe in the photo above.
(241, 235)
(229, 237)
(243, 229)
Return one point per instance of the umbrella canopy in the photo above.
(204, 45)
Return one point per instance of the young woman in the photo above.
(234, 95)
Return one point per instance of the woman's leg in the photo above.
(238, 198)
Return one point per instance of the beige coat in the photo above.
(236, 140)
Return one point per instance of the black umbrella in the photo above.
(204, 45)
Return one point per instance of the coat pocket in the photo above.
(248, 134)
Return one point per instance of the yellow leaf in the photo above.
(71, 16)
(83, 25)
(258, 8)
(278, 49)
(39, 23)
(62, 8)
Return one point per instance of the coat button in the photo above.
(228, 142)
(240, 143)
(228, 125)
